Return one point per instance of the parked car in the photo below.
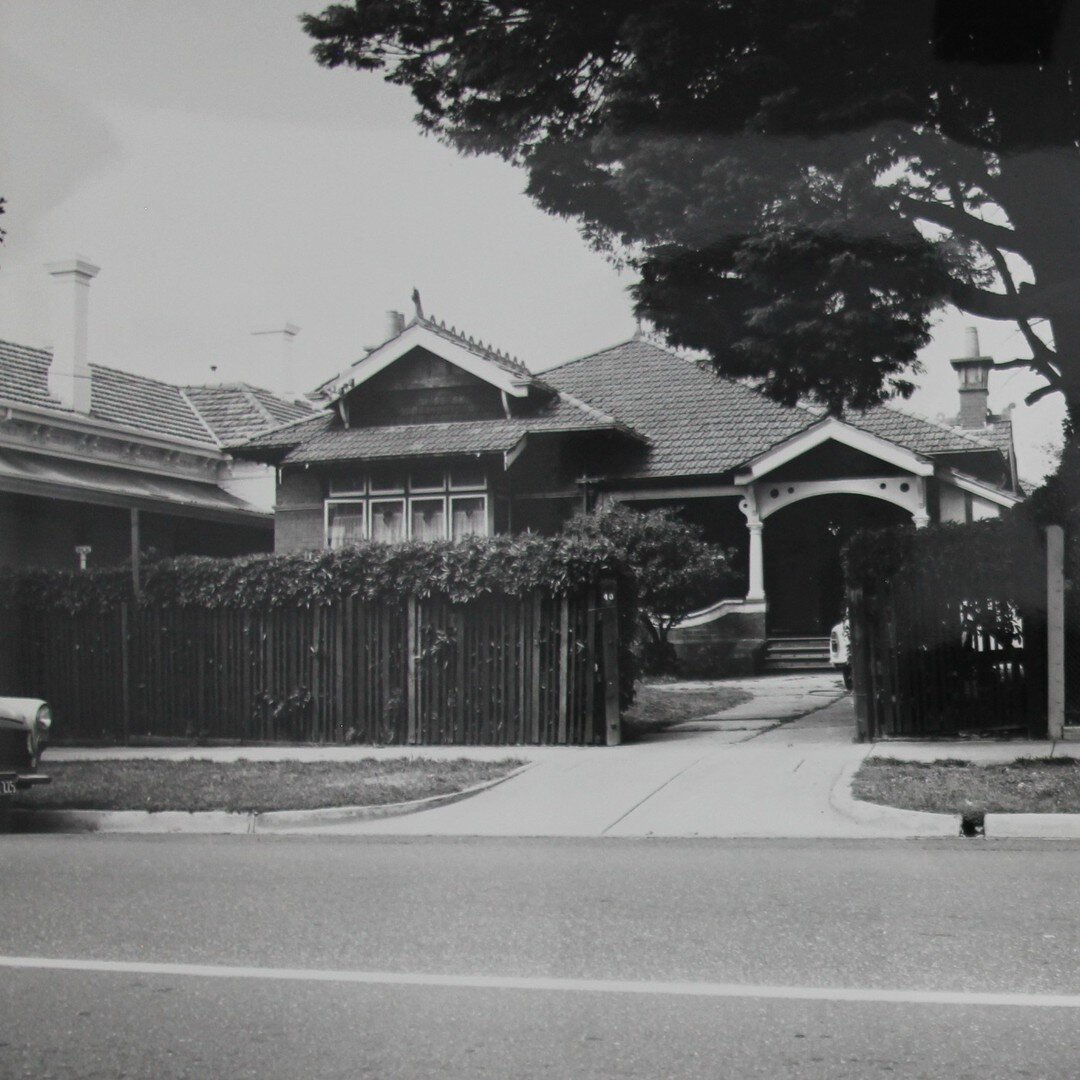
(840, 650)
(24, 731)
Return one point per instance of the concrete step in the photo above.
(796, 665)
(796, 654)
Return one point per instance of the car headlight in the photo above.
(38, 734)
(43, 720)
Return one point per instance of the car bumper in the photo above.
(21, 781)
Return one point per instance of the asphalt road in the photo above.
(261, 957)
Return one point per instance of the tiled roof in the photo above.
(139, 402)
(696, 422)
(916, 433)
(700, 423)
(237, 411)
(1000, 433)
(23, 374)
(288, 435)
(209, 415)
(321, 439)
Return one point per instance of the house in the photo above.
(433, 434)
(98, 465)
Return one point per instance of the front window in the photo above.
(427, 519)
(344, 522)
(390, 505)
(468, 515)
(387, 520)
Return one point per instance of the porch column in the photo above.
(756, 583)
(756, 591)
(921, 517)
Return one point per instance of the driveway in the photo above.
(764, 768)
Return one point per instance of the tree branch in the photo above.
(1042, 356)
(991, 305)
(948, 217)
(1040, 393)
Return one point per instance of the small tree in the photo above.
(676, 569)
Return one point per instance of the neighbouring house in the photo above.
(97, 465)
(435, 435)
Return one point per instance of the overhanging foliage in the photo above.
(463, 571)
(800, 185)
(984, 560)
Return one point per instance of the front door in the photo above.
(804, 580)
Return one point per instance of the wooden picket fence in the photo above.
(493, 671)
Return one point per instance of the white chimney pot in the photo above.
(971, 337)
(277, 372)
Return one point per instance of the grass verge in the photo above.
(1027, 785)
(656, 708)
(253, 786)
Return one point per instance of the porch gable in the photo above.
(830, 428)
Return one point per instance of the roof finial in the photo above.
(638, 332)
(416, 302)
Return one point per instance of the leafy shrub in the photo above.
(675, 570)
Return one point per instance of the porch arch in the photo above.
(802, 541)
(906, 492)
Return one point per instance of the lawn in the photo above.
(656, 708)
(253, 786)
(1028, 785)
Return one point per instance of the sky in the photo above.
(226, 184)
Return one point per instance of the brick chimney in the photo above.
(395, 324)
(973, 373)
(69, 372)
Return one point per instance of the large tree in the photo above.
(800, 184)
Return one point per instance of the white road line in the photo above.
(594, 986)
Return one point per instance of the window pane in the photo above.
(469, 475)
(428, 519)
(347, 485)
(385, 478)
(388, 520)
(345, 524)
(426, 478)
(470, 517)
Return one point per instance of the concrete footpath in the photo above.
(779, 765)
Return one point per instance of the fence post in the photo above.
(564, 666)
(534, 668)
(125, 674)
(1055, 631)
(412, 688)
(609, 636)
(858, 657)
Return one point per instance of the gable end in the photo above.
(422, 388)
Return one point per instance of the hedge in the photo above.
(982, 559)
(461, 571)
